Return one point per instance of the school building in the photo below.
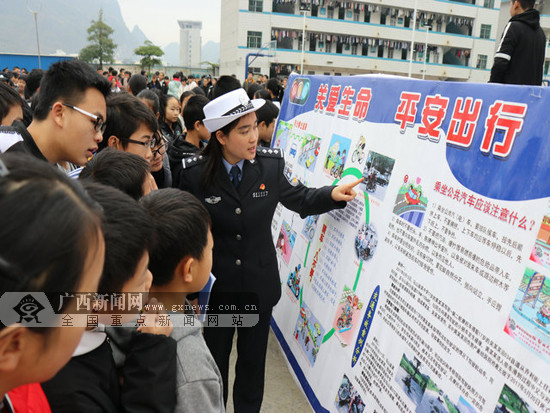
(453, 39)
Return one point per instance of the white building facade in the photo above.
(190, 43)
(453, 40)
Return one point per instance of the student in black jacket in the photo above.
(241, 185)
(520, 56)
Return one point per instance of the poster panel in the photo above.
(431, 291)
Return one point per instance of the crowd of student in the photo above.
(80, 168)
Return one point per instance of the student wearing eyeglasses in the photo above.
(69, 116)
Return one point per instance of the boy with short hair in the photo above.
(90, 381)
(266, 115)
(185, 146)
(181, 262)
(69, 116)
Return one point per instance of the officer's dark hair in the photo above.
(193, 111)
(67, 81)
(180, 230)
(267, 113)
(51, 227)
(127, 230)
(225, 84)
(526, 4)
(137, 83)
(152, 97)
(211, 174)
(33, 82)
(198, 91)
(122, 170)
(8, 99)
(125, 114)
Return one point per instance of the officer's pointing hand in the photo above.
(345, 192)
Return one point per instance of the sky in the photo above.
(159, 21)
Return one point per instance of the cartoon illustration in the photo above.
(377, 174)
(359, 151)
(366, 241)
(309, 152)
(282, 135)
(348, 316)
(336, 156)
(293, 281)
(309, 333)
(411, 203)
(348, 399)
(285, 241)
(529, 319)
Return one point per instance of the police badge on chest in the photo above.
(261, 193)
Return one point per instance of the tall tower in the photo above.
(190, 43)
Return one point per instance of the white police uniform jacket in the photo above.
(244, 255)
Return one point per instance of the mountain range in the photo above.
(65, 33)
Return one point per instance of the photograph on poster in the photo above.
(282, 136)
(286, 241)
(366, 241)
(359, 152)
(292, 176)
(308, 333)
(510, 402)
(541, 250)
(309, 152)
(411, 203)
(529, 320)
(348, 399)
(310, 224)
(377, 174)
(293, 282)
(348, 316)
(338, 151)
(411, 379)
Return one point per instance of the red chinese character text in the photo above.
(464, 121)
(433, 113)
(362, 104)
(406, 112)
(505, 116)
(333, 96)
(321, 97)
(345, 103)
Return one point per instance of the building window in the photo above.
(489, 4)
(330, 14)
(546, 65)
(256, 5)
(485, 32)
(390, 53)
(254, 40)
(481, 61)
(356, 16)
(354, 49)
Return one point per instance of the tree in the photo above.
(101, 48)
(148, 50)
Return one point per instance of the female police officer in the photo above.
(241, 187)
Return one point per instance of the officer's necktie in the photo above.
(235, 173)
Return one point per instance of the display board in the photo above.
(431, 291)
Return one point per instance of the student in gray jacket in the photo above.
(181, 262)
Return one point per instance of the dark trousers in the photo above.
(248, 389)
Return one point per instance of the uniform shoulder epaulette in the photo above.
(193, 160)
(270, 153)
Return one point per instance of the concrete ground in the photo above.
(282, 394)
